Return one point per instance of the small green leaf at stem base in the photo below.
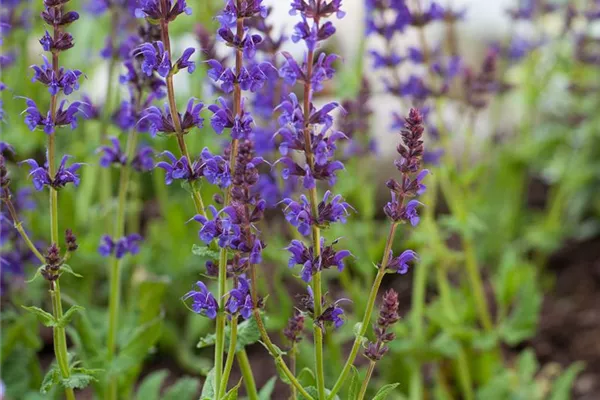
(354, 384)
(384, 391)
(267, 389)
(43, 316)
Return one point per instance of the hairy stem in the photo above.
(246, 369)
(368, 311)
(60, 340)
(292, 361)
(19, 227)
(365, 384)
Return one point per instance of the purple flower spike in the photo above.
(153, 11)
(119, 248)
(184, 61)
(203, 302)
(155, 58)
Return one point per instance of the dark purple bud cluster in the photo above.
(388, 316)
(64, 175)
(120, 247)
(54, 261)
(294, 328)
(409, 164)
(71, 241)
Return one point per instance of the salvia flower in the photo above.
(240, 300)
(330, 210)
(224, 118)
(143, 160)
(155, 58)
(112, 154)
(203, 302)
(68, 116)
(120, 247)
(64, 175)
(311, 263)
(401, 263)
(65, 80)
(153, 10)
(161, 121)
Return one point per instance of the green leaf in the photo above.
(561, 389)
(266, 391)
(282, 374)
(52, 378)
(150, 294)
(78, 380)
(208, 390)
(38, 273)
(150, 387)
(204, 251)
(446, 345)
(384, 391)
(68, 316)
(306, 377)
(527, 365)
(233, 392)
(43, 316)
(354, 384)
(67, 268)
(247, 334)
(185, 388)
(139, 342)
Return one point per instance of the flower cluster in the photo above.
(330, 211)
(313, 263)
(332, 314)
(162, 121)
(127, 244)
(388, 316)
(113, 154)
(411, 152)
(56, 78)
(212, 167)
(64, 175)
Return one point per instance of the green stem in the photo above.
(477, 285)
(60, 340)
(230, 356)
(220, 323)
(276, 354)
(292, 361)
(19, 227)
(114, 300)
(365, 384)
(368, 311)
(273, 350)
(246, 369)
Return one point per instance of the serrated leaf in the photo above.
(385, 390)
(52, 378)
(185, 388)
(232, 394)
(68, 316)
(67, 268)
(43, 316)
(78, 381)
(561, 389)
(247, 334)
(354, 384)
(150, 387)
(208, 389)
(204, 251)
(266, 391)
